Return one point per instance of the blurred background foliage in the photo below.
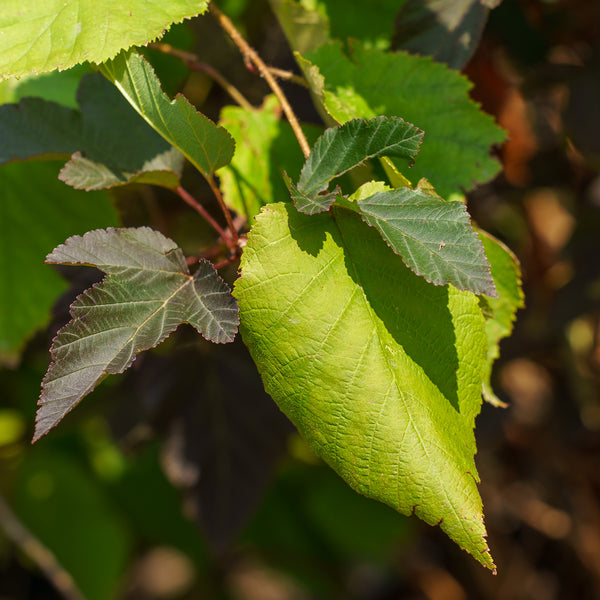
(180, 479)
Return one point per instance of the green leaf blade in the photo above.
(455, 152)
(44, 36)
(385, 388)
(206, 145)
(340, 149)
(434, 238)
(147, 294)
(507, 280)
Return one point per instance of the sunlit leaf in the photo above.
(507, 280)
(455, 153)
(380, 371)
(265, 147)
(57, 34)
(206, 145)
(147, 293)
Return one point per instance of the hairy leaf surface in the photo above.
(380, 371)
(206, 145)
(455, 151)
(57, 34)
(340, 149)
(507, 279)
(147, 293)
(37, 212)
(434, 238)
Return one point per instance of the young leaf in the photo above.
(147, 293)
(37, 212)
(380, 371)
(507, 280)
(206, 145)
(112, 143)
(455, 151)
(43, 36)
(340, 149)
(434, 238)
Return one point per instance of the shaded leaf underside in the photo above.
(147, 294)
(380, 371)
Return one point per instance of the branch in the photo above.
(251, 56)
(191, 201)
(192, 62)
(38, 553)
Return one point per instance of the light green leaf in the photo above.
(310, 23)
(57, 34)
(113, 145)
(380, 371)
(147, 293)
(340, 149)
(265, 147)
(206, 145)
(507, 279)
(455, 151)
(37, 212)
(434, 238)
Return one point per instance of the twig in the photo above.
(289, 76)
(191, 201)
(251, 56)
(192, 62)
(217, 192)
(41, 556)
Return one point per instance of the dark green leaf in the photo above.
(340, 149)
(112, 144)
(434, 238)
(206, 145)
(446, 30)
(37, 212)
(147, 293)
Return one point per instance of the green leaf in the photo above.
(37, 212)
(455, 152)
(340, 149)
(447, 30)
(113, 145)
(206, 145)
(380, 371)
(310, 23)
(55, 34)
(434, 238)
(265, 147)
(147, 293)
(507, 280)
